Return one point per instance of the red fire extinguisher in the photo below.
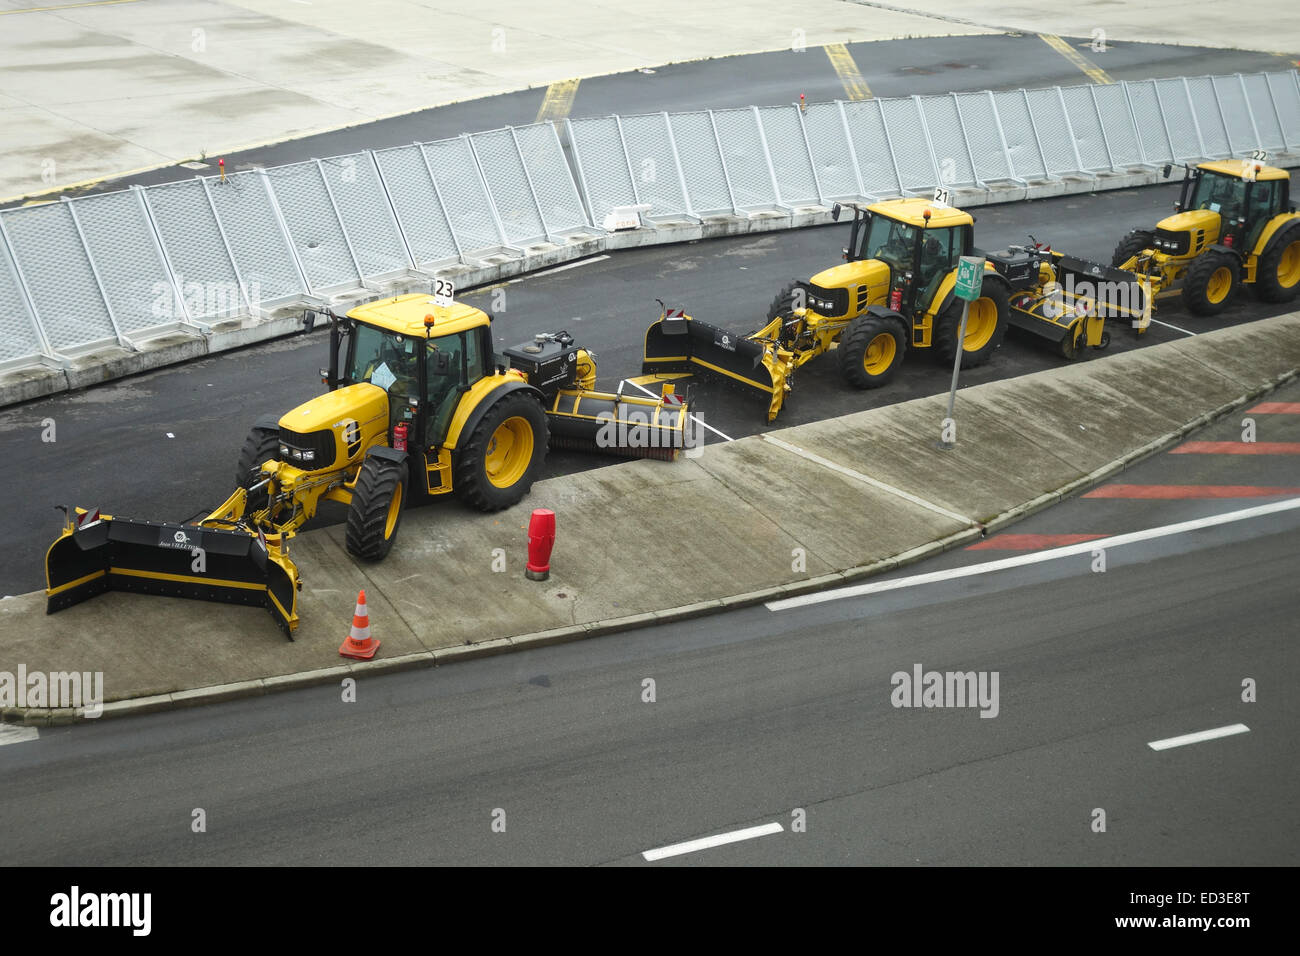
(896, 299)
(399, 436)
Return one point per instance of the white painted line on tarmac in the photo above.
(867, 479)
(1036, 557)
(555, 269)
(698, 421)
(1174, 327)
(12, 734)
(1198, 737)
(707, 843)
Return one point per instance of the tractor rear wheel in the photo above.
(261, 445)
(505, 454)
(1278, 278)
(871, 351)
(985, 327)
(376, 510)
(1210, 281)
(784, 303)
(1135, 242)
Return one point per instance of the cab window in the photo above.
(444, 364)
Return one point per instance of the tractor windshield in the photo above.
(385, 359)
(1216, 192)
(890, 241)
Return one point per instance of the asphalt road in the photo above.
(759, 714)
(890, 68)
(112, 449)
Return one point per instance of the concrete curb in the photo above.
(34, 382)
(46, 717)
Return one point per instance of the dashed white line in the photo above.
(707, 843)
(698, 421)
(14, 734)
(1036, 557)
(1174, 327)
(1199, 736)
(562, 268)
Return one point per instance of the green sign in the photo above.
(970, 277)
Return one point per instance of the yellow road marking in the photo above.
(558, 101)
(66, 6)
(855, 86)
(1094, 72)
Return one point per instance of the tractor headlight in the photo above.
(284, 450)
(309, 456)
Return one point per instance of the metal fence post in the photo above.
(1250, 110)
(284, 231)
(392, 209)
(889, 146)
(1137, 130)
(492, 205)
(677, 160)
(853, 150)
(1002, 138)
(970, 153)
(1164, 123)
(1218, 104)
(812, 160)
(627, 158)
(188, 319)
(1286, 144)
(528, 178)
(1033, 127)
(329, 194)
(47, 350)
(225, 241)
(584, 191)
(446, 213)
(1074, 142)
(1101, 125)
(722, 158)
(1196, 123)
(929, 143)
(767, 155)
(122, 340)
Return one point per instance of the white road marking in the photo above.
(698, 421)
(867, 479)
(14, 734)
(707, 843)
(170, 435)
(555, 269)
(1196, 738)
(1174, 327)
(1036, 557)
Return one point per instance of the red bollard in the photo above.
(541, 538)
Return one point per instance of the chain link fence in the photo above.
(120, 268)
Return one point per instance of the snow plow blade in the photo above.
(678, 343)
(170, 560)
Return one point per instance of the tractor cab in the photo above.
(1228, 202)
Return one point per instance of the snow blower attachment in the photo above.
(418, 405)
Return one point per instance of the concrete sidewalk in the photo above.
(646, 542)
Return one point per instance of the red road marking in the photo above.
(1189, 491)
(1031, 542)
(1238, 448)
(1275, 408)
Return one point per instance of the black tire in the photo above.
(370, 533)
(1202, 289)
(858, 366)
(1131, 245)
(1073, 344)
(783, 304)
(472, 479)
(1268, 282)
(261, 445)
(948, 323)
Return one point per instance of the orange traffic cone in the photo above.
(359, 645)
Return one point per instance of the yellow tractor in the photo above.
(895, 290)
(1234, 225)
(418, 406)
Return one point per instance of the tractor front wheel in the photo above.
(985, 326)
(871, 351)
(1211, 280)
(505, 454)
(376, 510)
(261, 445)
(1278, 279)
(784, 303)
(1136, 241)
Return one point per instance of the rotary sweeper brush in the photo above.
(895, 290)
(418, 406)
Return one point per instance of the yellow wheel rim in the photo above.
(1216, 290)
(1288, 267)
(509, 452)
(394, 511)
(879, 355)
(981, 322)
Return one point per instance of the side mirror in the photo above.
(1166, 170)
(835, 212)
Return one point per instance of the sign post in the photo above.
(970, 279)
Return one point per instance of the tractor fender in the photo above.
(989, 276)
(881, 312)
(1232, 251)
(1277, 226)
(387, 453)
(271, 422)
(490, 399)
